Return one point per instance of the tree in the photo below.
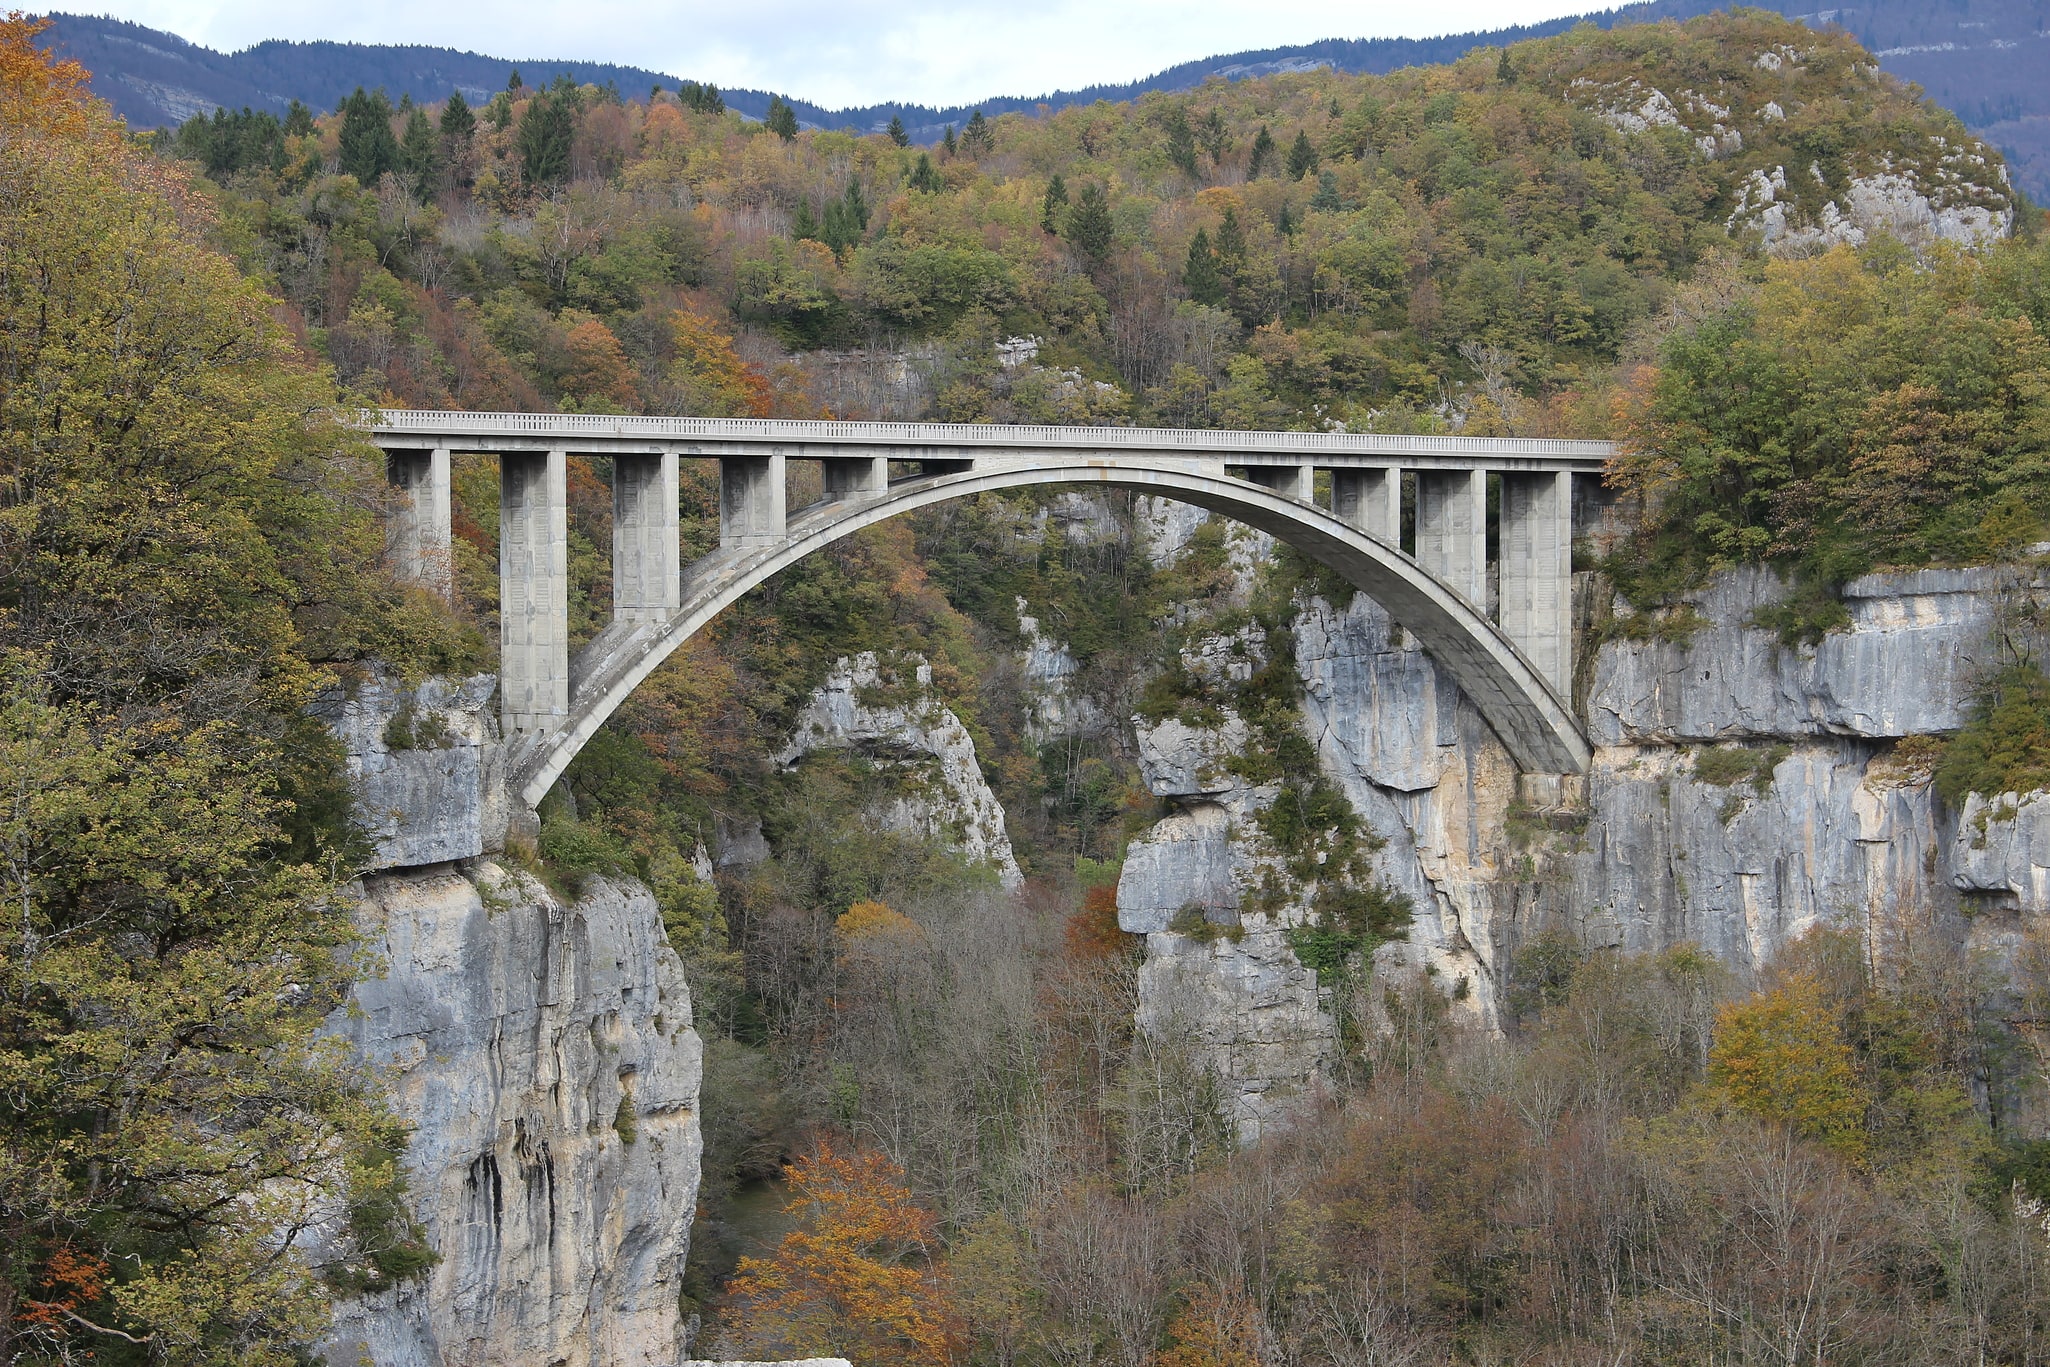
(978, 138)
(781, 119)
(1051, 205)
(1782, 1056)
(1199, 276)
(1181, 140)
(600, 378)
(546, 131)
(856, 1278)
(1215, 136)
(187, 534)
(896, 132)
(1504, 71)
(1089, 227)
(924, 178)
(458, 122)
(947, 140)
(1302, 158)
(420, 153)
(703, 99)
(367, 147)
(298, 120)
(711, 379)
(1262, 158)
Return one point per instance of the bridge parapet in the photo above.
(872, 470)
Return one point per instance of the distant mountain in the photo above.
(1984, 59)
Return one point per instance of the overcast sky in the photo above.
(844, 52)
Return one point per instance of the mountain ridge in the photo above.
(1980, 58)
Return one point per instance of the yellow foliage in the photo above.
(874, 921)
(1781, 1056)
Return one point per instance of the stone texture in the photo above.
(525, 1038)
(899, 722)
(1054, 705)
(431, 788)
(792, 1362)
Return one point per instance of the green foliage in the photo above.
(227, 144)
(701, 98)
(1302, 158)
(2005, 746)
(896, 133)
(1088, 227)
(576, 850)
(546, 131)
(367, 148)
(1346, 925)
(781, 119)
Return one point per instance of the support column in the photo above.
(1370, 500)
(856, 477)
(647, 576)
(417, 537)
(1452, 530)
(751, 511)
(1297, 481)
(533, 591)
(1537, 571)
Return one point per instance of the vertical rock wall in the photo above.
(542, 1049)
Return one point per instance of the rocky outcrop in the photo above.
(425, 766)
(542, 1050)
(890, 715)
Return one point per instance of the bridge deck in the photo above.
(800, 439)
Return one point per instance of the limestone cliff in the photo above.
(542, 1049)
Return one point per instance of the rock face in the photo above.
(890, 715)
(544, 1053)
(425, 765)
(1741, 793)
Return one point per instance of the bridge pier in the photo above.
(1452, 530)
(418, 537)
(647, 574)
(1537, 571)
(1296, 481)
(752, 508)
(854, 477)
(533, 591)
(1370, 500)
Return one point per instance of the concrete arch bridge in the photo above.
(1516, 666)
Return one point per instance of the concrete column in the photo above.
(647, 578)
(417, 538)
(1297, 481)
(533, 591)
(856, 477)
(1452, 530)
(751, 511)
(1537, 571)
(1370, 500)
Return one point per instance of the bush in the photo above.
(2005, 747)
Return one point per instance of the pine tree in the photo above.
(947, 141)
(1181, 140)
(803, 222)
(1231, 243)
(1284, 222)
(1215, 135)
(978, 138)
(298, 120)
(457, 121)
(546, 130)
(1263, 154)
(367, 148)
(1302, 158)
(1089, 229)
(923, 177)
(1504, 71)
(1199, 276)
(514, 83)
(896, 131)
(1051, 206)
(420, 153)
(781, 119)
(1326, 197)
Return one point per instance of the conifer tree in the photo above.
(1215, 136)
(947, 141)
(923, 177)
(1504, 71)
(546, 130)
(781, 118)
(298, 120)
(1263, 154)
(1231, 243)
(1181, 141)
(1199, 276)
(1326, 198)
(1089, 228)
(978, 138)
(1050, 207)
(368, 148)
(420, 152)
(896, 131)
(1302, 158)
(514, 83)
(457, 121)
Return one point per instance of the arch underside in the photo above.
(1535, 726)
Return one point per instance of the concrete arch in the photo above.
(1535, 725)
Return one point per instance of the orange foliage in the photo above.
(1214, 1329)
(70, 1279)
(715, 382)
(1781, 1055)
(600, 378)
(870, 920)
(856, 1278)
(37, 92)
(1092, 931)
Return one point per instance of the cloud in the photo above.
(845, 52)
